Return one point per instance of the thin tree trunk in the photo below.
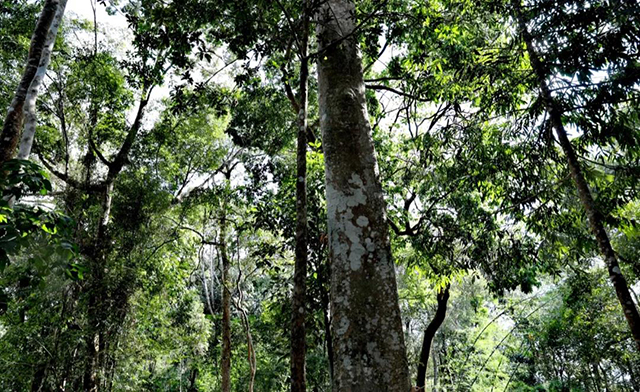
(324, 298)
(226, 306)
(298, 303)
(251, 352)
(604, 377)
(635, 381)
(435, 372)
(368, 340)
(38, 378)
(192, 381)
(596, 221)
(429, 333)
(26, 142)
(112, 371)
(66, 370)
(90, 157)
(90, 378)
(596, 377)
(204, 282)
(13, 122)
(49, 366)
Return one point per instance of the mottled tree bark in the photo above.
(594, 216)
(368, 340)
(226, 306)
(429, 333)
(13, 122)
(298, 303)
(26, 141)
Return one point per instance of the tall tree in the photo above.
(225, 370)
(26, 141)
(594, 216)
(368, 339)
(429, 333)
(13, 122)
(299, 302)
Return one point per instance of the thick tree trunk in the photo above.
(96, 289)
(12, 126)
(95, 337)
(99, 251)
(596, 221)
(26, 142)
(368, 340)
(94, 334)
(429, 333)
(298, 303)
(226, 307)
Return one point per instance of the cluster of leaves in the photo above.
(565, 347)
(17, 20)
(21, 225)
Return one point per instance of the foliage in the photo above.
(126, 262)
(22, 225)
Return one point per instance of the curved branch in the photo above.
(397, 92)
(93, 188)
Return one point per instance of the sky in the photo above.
(83, 9)
(114, 28)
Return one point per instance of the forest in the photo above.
(320, 195)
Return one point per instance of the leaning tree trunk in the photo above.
(15, 115)
(594, 216)
(368, 340)
(429, 333)
(26, 142)
(226, 306)
(298, 302)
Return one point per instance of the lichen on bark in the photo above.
(368, 340)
